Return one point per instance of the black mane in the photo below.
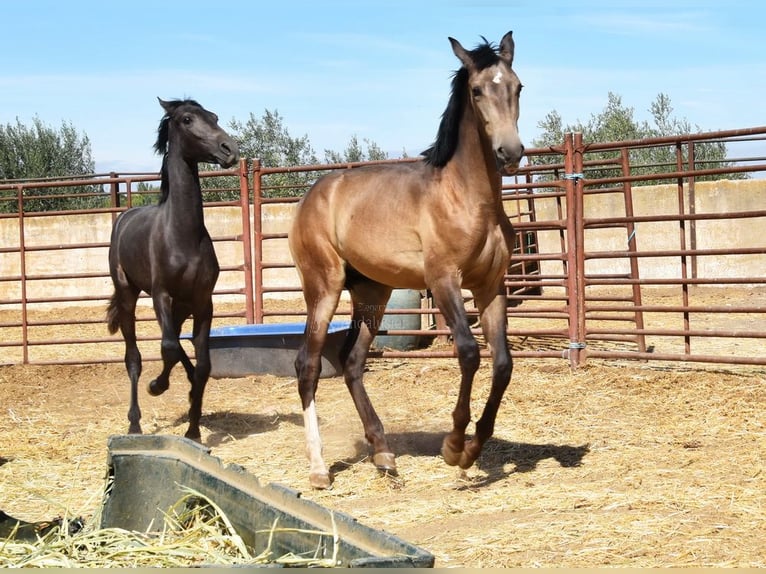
(161, 145)
(441, 151)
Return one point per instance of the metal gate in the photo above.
(613, 260)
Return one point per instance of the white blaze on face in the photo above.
(497, 77)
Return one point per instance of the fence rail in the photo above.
(610, 261)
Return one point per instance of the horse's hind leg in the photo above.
(122, 314)
(321, 294)
(369, 303)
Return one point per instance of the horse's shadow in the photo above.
(496, 455)
(227, 425)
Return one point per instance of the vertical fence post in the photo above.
(247, 245)
(573, 176)
(114, 193)
(692, 209)
(23, 278)
(682, 246)
(571, 248)
(579, 196)
(258, 240)
(627, 189)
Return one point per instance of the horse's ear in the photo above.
(507, 48)
(461, 53)
(165, 105)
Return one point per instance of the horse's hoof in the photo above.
(320, 480)
(470, 453)
(385, 462)
(155, 389)
(195, 436)
(135, 429)
(450, 455)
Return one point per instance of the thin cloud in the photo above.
(632, 24)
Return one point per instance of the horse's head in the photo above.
(196, 131)
(494, 90)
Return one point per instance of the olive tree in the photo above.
(39, 152)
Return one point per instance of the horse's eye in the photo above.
(187, 120)
(476, 92)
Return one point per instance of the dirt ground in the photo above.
(625, 464)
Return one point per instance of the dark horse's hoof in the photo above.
(195, 436)
(156, 389)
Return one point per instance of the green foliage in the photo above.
(218, 187)
(617, 123)
(143, 194)
(39, 151)
(268, 140)
(354, 152)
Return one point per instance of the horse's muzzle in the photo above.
(227, 154)
(230, 161)
(508, 168)
(508, 158)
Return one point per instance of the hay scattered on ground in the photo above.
(196, 532)
(620, 464)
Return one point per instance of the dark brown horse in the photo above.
(166, 251)
(438, 223)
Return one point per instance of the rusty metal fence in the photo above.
(613, 258)
(675, 270)
(54, 274)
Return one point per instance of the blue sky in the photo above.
(377, 70)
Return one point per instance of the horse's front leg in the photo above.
(170, 347)
(180, 314)
(201, 372)
(494, 320)
(369, 303)
(449, 299)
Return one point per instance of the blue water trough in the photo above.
(243, 350)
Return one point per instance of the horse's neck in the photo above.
(475, 162)
(184, 202)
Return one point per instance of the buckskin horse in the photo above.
(437, 223)
(166, 251)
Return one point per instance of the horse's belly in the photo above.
(403, 270)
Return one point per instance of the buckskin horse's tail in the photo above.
(113, 313)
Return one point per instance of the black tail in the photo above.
(113, 314)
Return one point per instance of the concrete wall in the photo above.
(88, 231)
(711, 197)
